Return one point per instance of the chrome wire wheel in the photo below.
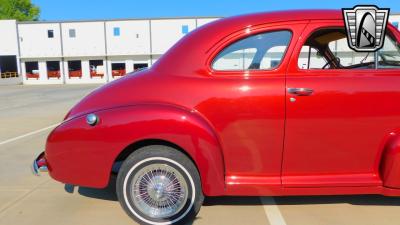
(159, 191)
(158, 185)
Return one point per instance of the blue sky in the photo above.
(113, 9)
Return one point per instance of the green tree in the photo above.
(21, 10)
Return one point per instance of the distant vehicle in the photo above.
(262, 104)
(100, 69)
(97, 71)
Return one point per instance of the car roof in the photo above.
(287, 15)
(186, 55)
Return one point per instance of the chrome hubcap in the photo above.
(159, 191)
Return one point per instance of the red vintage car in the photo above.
(261, 104)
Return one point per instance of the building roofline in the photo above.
(131, 19)
(122, 19)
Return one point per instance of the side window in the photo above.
(72, 33)
(389, 55)
(311, 58)
(349, 58)
(185, 29)
(50, 33)
(258, 52)
(117, 31)
(328, 49)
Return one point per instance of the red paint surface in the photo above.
(53, 74)
(75, 73)
(95, 74)
(240, 128)
(118, 73)
(32, 76)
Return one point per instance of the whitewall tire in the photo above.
(159, 185)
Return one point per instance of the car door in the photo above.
(337, 119)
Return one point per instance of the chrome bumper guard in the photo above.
(39, 165)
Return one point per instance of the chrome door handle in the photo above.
(300, 91)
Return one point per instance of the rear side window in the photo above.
(258, 52)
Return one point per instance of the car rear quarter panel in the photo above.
(390, 163)
(78, 153)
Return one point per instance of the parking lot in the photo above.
(27, 115)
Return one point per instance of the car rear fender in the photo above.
(390, 161)
(186, 129)
(84, 155)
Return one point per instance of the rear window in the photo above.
(258, 52)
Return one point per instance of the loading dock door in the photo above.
(53, 69)
(140, 66)
(32, 70)
(75, 68)
(8, 66)
(96, 68)
(118, 69)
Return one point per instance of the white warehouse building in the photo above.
(85, 51)
(68, 52)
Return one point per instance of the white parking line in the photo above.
(272, 211)
(28, 134)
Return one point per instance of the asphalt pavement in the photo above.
(27, 115)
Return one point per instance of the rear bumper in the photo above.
(39, 165)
